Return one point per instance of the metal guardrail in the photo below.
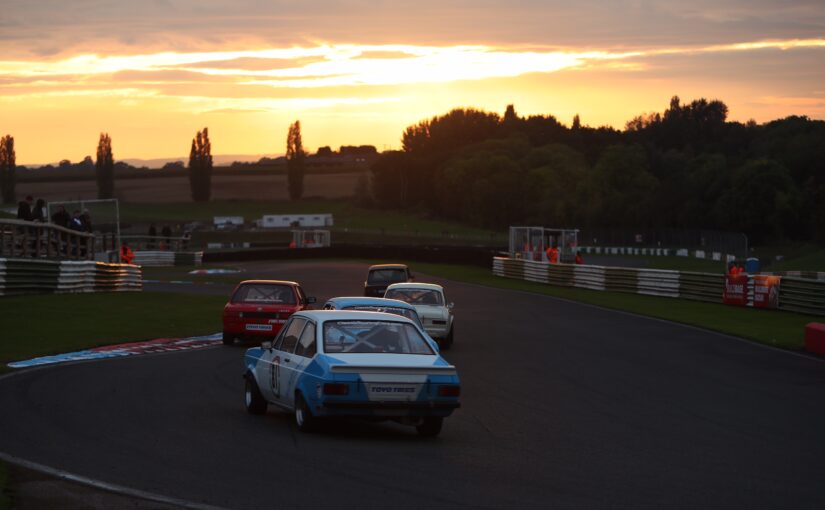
(157, 243)
(800, 295)
(33, 239)
(167, 258)
(654, 282)
(795, 294)
(33, 276)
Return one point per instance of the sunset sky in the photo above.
(153, 72)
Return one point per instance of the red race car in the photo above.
(259, 308)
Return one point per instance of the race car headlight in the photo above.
(450, 390)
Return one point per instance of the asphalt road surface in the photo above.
(564, 406)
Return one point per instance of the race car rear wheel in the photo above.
(303, 416)
(448, 342)
(430, 426)
(255, 402)
(228, 339)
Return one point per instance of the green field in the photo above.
(347, 217)
(653, 262)
(792, 257)
(49, 324)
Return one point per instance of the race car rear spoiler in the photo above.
(400, 370)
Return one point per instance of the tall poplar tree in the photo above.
(295, 161)
(105, 167)
(8, 165)
(200, 167)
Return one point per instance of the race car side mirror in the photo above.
(266, 345)
(450, 305)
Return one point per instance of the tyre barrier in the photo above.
(795, 294)
(28, 276)
(167, 258)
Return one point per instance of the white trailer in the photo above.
(295, 220)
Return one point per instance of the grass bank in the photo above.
(49, 324)
(346, 216)
(770, 327)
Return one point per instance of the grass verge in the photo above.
(5, 490)
(49, 324)
(770, 327)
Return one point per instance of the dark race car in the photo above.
(381, 276)
(259, 308)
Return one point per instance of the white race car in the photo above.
(432, 307)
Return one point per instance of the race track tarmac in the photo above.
(564, 406)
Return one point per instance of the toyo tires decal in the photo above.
(129, 349)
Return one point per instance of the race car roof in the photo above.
(414, 285)
(345, 301)
(268, 282)
(349, 315)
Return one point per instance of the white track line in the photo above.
(105, 486)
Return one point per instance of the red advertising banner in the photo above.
(736, 290)
(766, 291)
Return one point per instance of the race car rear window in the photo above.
(264, 294)
(416, 296)
(403, 312)
(379, 337)
(378, 276)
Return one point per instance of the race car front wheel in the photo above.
(430, 426)
(228, 339)
(255, 402)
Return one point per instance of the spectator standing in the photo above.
(61, 217)
(552, 255)
(86, 220)
(153, 233)
(166, 232)
(24, 209)
(39, 211)
(76, 222)
(126, 253)
(579, 259)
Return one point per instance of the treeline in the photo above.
(687, 167)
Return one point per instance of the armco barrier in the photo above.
(800, 295)
(795, 294)
(654, 282)
(167, 258)
(31, 276)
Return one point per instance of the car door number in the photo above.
(275, 376)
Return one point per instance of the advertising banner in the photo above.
(736, 290)
(766, 291)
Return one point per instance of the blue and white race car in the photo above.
(352, 363)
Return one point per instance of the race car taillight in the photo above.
(335, 389)
(449, 391)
